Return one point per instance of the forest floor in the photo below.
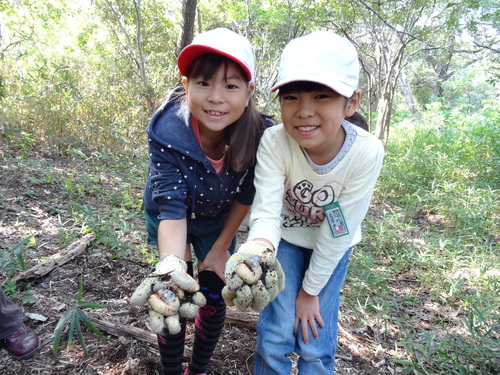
(43, 210)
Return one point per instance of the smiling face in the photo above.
(217, 99)
(313, 119)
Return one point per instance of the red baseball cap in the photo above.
(222, 41)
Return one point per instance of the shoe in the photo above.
(22, 344)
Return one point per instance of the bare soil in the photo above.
(27, 208)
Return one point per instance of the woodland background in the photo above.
(79, 81)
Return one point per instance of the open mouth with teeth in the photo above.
(307, 128)
(215, 113)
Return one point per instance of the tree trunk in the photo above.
(141, 63)
(383, 117)
(188, 19)
(408, 94)
(389, 66)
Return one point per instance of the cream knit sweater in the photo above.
(290, 198)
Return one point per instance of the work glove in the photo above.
(170, 293)
(253, 277)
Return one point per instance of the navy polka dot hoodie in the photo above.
(182, 181)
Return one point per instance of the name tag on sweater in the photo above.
(336, 220)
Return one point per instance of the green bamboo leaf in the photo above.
(71, 332)
(22, 243)
(80, 336)
(58, 330)
(20, 261)
(91, 305)
(89, 324)
(443, 354)
(76, 314)
(26, 299)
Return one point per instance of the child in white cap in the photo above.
(202, 145)
(314, 180)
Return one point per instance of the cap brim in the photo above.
(193, 51)
(341, 88)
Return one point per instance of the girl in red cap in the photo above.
(202, 145)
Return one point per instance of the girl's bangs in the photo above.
(207, 66)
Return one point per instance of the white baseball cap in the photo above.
(321, 57)
(222, 41)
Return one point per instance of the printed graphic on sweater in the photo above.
(307, 204)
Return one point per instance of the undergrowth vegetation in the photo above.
(428, 273)
(425, 279)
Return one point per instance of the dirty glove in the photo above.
(171, 293)
(253, 277)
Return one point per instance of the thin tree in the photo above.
(187, 24)
(133, 46)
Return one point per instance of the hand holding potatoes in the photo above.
(253, 277)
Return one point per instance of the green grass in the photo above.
(100, 193)
(428, 271)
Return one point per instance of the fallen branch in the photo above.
(118, 329)
(245, 319)
(57, 259)
(344, 357)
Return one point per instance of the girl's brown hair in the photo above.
(244, 134)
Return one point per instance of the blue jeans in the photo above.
(275, 337)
